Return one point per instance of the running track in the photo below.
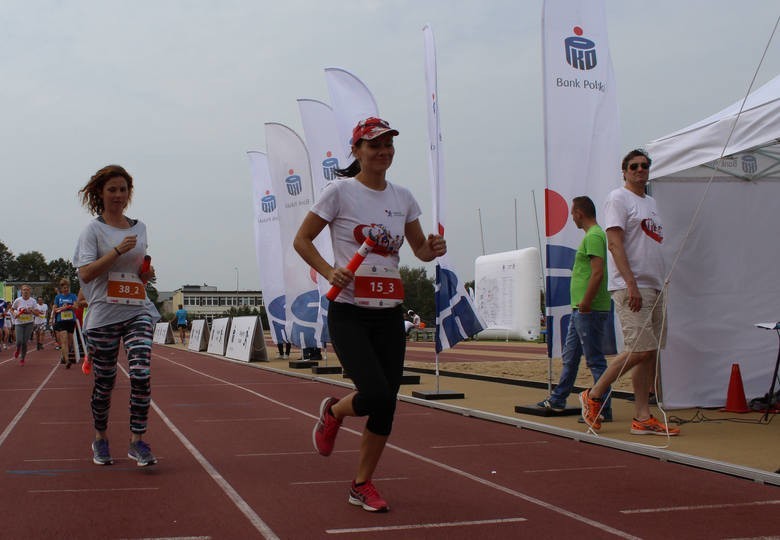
(236, 461)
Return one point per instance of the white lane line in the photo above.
(229, 490)
(171, 538)
(217, 420)
(95, 490)
(479, 445)
(697, 507)
(9, 428)
(570, 469)
(533, 500)
(755, 538)
(305, 453)
(425, 526)
(345, 481)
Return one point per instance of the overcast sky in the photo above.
(178, 91)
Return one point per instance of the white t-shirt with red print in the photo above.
(354, 210)
(643, 234)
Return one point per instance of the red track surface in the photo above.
(236, 461)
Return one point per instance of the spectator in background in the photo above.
(636, 282)
(590, 304)
(181, 322)
(40, 322)
(4, 325)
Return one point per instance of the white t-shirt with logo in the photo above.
(43, 308)
(642, 238)
(28, 305)
(353, 209)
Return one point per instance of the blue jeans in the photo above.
(587, 334)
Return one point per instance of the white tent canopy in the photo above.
(726, 278)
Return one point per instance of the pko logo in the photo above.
(329, 166)
(749, 164)
(293, 183)
(580, 51)
(268, 203)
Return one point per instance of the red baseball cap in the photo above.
(371, 128)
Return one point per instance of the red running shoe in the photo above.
(368, 497)
(326, 428)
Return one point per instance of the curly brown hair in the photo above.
(91, 193)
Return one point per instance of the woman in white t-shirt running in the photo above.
(24, 309)
(109, 258)
(365, 321)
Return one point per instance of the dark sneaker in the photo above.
(100, 453)
(368, 497)
(326, 428)
(550, 406)
(142, 453)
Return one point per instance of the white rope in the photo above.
(667, 280)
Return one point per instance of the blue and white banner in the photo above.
(325, 156)
(582, 138)
(456, 317)
(288, 163)
(268, 244)
(352, 102)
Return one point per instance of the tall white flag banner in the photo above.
(288, 163)
(268, 244)
(352, 102)
(325, 155)
(582, 139)
(456, 316)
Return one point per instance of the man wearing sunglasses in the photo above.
(636, 278)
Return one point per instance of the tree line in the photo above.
(32, 267)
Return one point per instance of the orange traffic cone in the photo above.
(735, 401)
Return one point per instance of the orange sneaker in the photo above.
(652, 426)
(590, 410)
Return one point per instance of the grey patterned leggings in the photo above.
(103, 345)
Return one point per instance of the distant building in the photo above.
(207, 302)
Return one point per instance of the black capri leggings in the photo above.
(371, 345)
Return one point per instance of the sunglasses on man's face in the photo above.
(634, 166)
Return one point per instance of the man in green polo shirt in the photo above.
(590, 304)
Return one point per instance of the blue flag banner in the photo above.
(456, 318)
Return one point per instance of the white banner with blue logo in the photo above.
(288, 163)
(352, 102)
(268, 244)
(456, 317)
(582, 138)
(325, 155)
